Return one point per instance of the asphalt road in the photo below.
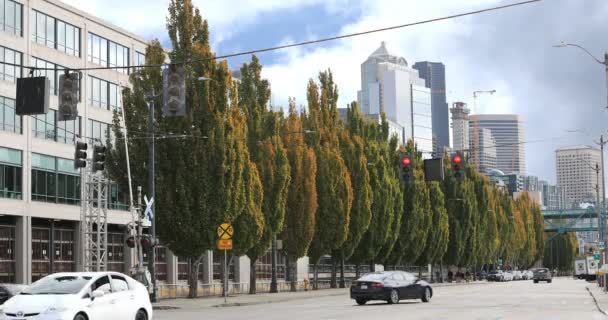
(520, 300)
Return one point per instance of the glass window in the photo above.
(43, 161)
(9, 121)
(55, 180)
(104, 94)
(140, 59)
(108, 53)
(10, 173)
(50, 32)
(8, 72)
(119, 284)
(10, 16)
(61, 35)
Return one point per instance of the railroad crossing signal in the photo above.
(225, 231)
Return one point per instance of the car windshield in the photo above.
(374, 277)
(57, 285)
(541, 270)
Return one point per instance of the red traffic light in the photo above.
(406, 161)
(131, 242)
(457, 159)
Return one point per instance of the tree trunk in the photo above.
(342, 282)
(252, 276)
(357, 270)
(193, 265)
(315, 279)
(372, 266)
(293, 275)
(432, 276)
(334, 268)
(441, 271)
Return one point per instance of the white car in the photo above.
(81, 296)
(507, 276)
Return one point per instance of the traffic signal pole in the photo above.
(152, 260)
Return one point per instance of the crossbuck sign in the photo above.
(148, 213)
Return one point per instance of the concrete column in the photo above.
(241, 269)
(78, 252)
(23, 250)
(171, 267)
(302, 268)
(207, 266)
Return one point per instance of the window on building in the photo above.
(11, 17)
(8, 72)
(182, 269)
(104, 52)
(41, 262)
(104, 94)
(218, 261)
(98, 132)
(140, 59)
(9, 121)
(54, 33)
(10, 173)
(116, 252)
(118, 198)
(63, 249)
(53, 72)
(46, 126)
(55, 180)
(7, 253)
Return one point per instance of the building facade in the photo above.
(531, 183)
(508, 131)
(389, 85)
(460, 126)
(484, 156)
(576, 173)
(433, 74)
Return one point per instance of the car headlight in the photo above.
(56, 310)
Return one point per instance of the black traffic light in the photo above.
(174, 91)
(80, 155)
(99, 157)
(68, 96)
(407, 169)
(458, 167)
(130, 242)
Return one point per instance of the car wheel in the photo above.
(80, 316)
(141, 315)
(535, 281)
(394, 297)
(549, 281)
(361, 301)
(426, 296)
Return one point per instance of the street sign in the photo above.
(148, 213)
(596, 256)
(225, 231)
(224, 244)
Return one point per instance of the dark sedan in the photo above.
(390, 286)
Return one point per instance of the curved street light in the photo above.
(604, 63)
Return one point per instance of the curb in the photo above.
(253, 303)
(597, 305)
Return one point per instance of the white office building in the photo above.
(508, 131)
(460, 126)
(389, 85)
(576, 174)
(482, 146)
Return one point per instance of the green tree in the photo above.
(334, 190)
(439, 231)
(302, 195)
(560, 251)
(203, 180)
(416, 214)
(267, 151)
(353, 152)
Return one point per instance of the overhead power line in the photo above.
(299, 44)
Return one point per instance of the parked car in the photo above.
(8, 290)
(542, 274)
(390, 286)
(517, 275)
(82, 296)
(495, 275)
(507, 276)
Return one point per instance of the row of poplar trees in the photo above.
(323, 186)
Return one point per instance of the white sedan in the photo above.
(81, 296)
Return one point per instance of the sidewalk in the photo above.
(599, 297)
(265, 298)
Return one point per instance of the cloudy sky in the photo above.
(557, 91)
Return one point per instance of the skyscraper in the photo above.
(508, 131)
(575, 172)
(460, 126)
(389, 85)
(484, 156)
(433, 74)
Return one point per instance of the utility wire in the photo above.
(298, 44)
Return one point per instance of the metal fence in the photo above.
(180, 290)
